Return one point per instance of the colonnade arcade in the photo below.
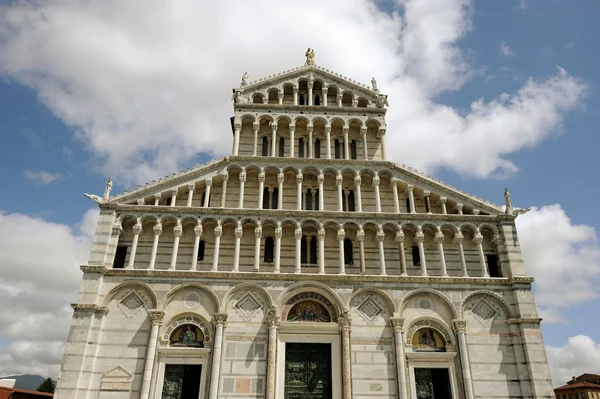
(147, 241)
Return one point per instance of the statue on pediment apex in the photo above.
(310, 57)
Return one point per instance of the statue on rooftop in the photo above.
(509, 207)
(310, 57)
(374, 85)
(107, 189)
(244, 79)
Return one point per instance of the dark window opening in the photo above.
(265, 202)
(408, 210)
(120, 256)
(317, 148)
(317, 100)
(317, 199)
(201, 247)
(348, 256)
(313, 251)
(168, 201)
(269, 250)
(300, 148)
(308, 201)
(275, 200)
(301, 100)
(281, 147)
(351, 206)
(337, 149)
(416, 256)
(493, 265)
(265, 147)
(353, 149)
(303, 250)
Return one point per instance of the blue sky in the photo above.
(74, 98)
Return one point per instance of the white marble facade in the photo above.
(305, 210)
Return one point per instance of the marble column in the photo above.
(363, 133)
(137, 230)
(273, 322)
(325, 88)
(420, 237)
(157, 198)
(439, 238)
(394, 183)
(207, 193)
(411, 198)
(426, 195)
(360, 237)
(191, 188)
(399, 238)
(173, 197)
(278, 235)
(397, 324)
(274, 151)
(255, 143)
(478, 240)
(358, 195)
(381, 135)
(292, 141)
(309, 129)
(345, 130)
(380, 238)
(459, 207)
(280, 178)
(298, 237)
(328, 140)
(220, 320)
(295, 95)
(458, 238)
(157, 232)
(321, 237)
(261, 189)
(257, 238)
(310, 93)
(321, 180)
(156, 320)
(345, 322)
(443, 201)
(376, 181)
(236, 138)
(460, 327)
(218, 232)
(339, 100)
(177, 232)
(299, 179)
(280, 97)
(236, 252)
(500, 250)
(340, 236)
(242, 182)
(339, 180)
(197, 237)
(225, 177)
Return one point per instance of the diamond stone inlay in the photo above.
(484, 310)
(247, 305)
(132, 301)
(370, 309)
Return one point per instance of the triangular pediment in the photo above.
(116, 379)
(119, 373)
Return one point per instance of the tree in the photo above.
(47, 385)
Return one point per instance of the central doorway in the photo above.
(432, 383)
(307, 371)
(182, 381)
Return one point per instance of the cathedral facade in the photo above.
(304, 266)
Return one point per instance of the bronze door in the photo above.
(307, 371)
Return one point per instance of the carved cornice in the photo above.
(89, 308)
(98, 269)
(525, 320)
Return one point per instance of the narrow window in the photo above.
(265, 146)
(313, 251)
(408, 210)
(416, 255)
(317, 148)
(202, 199)
(275, 198)
(351, 206)
(353, 149)
(201, 248)
(317, 100)
(317, 199)
(168, 201)
(348, 257)
(303, 250)
(493, 266)
(265, 203)
(337, 149)
(301, 99)
(344, 202)
(120, 256)
(281, 147)
(269, 250)
(308, 201)
(301, 148)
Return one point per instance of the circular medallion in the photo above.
(192, 300)
(425, 305)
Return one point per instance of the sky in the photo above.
(483, 95)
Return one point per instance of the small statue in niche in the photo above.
(374, 85)
(310, 57)
(244, 79)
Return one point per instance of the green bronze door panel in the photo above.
(307, 371)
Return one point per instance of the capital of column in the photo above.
(280, 178)
(158, 196)
(292, 128)
(309, 128)
(141, 201)
(237, 126)
(178, 230)
(341, 234)
(156, 316)
(191, 186)
(399, 236)
(376, 181)
(255, 126)
(458, 238)
(410, 187)
(295, 89)
(220, 319)
(380, 235)
(157, 229)
(439, 237)
(363, 130)
(394, 181)
(380, 132)
(272, 317)
(327, 129)
(280, 95)
(309, 84)
(339, 179)
(478, 239)
(225, 175)
(460, 326)
(360, 236)
(261, 177)
(498, 239)
(459, 206)
(278, 233)
(174, 191)
(298, 234)
(238, 232)
(198, 230)
(397, 324)
(345, 322)
(426, 193)
(420, 237)
(321, 178)
(218, 231)
(243, 177)
(116, 229)
(137, 228)
(357, 180)
(443, 200)
(273, 127)
(258, 232)
(299, 178)
(208, 182)
(321, 234)
(345, 129)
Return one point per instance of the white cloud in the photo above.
(579, 355)
(40, 278)
(562, 256)
(147, 84)
(505, 49)
(43, 177)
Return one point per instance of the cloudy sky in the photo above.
(484, 95)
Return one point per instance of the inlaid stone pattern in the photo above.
(370, 309)
(131, 303)
(248, 305)
(484, 310)
(192, 300)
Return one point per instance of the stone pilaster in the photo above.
(273, 323)
(345, 322)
